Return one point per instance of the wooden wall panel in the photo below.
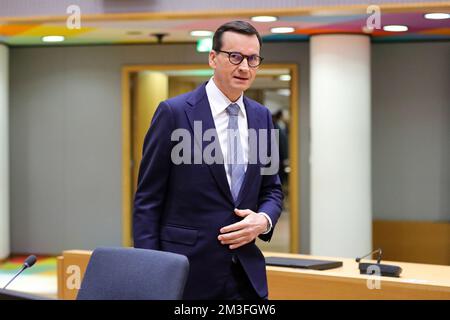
(413, 241)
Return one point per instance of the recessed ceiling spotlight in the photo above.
(264, 18)
(282, 30)
(201, 33)
(437, 16)
(53, 38)
(395, 28)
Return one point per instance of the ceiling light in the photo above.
(264, 18)
(285, 77)
(282, 30)
(437, 16)
(201, 33)
(53, 38)
(395, 28)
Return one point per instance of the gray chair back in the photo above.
(134, 274)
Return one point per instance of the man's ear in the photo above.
(212, 59)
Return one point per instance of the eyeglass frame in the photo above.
(243, 57)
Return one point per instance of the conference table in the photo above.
(417, 281)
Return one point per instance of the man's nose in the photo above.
(244, 65)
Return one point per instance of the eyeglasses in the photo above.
(236, 58)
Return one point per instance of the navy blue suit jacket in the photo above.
(181, 207)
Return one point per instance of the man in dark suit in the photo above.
(213, 212)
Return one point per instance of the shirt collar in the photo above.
(219, 102)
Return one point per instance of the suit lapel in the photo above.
(200, 110)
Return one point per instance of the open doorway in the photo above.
(275, 87)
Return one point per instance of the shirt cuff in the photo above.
(269, 220)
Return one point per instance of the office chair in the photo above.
(134, 274)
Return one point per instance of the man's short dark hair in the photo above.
(241, 27)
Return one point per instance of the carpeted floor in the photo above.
(38, 280)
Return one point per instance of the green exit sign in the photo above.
(204, 45)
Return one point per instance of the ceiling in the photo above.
(21, 32)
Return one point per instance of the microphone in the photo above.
(385, 269)
(379, 251)
(28, 263)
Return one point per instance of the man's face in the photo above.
(234, 79)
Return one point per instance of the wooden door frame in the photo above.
(294, 187)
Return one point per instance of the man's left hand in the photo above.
(244, 231)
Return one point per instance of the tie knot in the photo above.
(233, 109)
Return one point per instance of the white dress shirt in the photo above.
(219, 103)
